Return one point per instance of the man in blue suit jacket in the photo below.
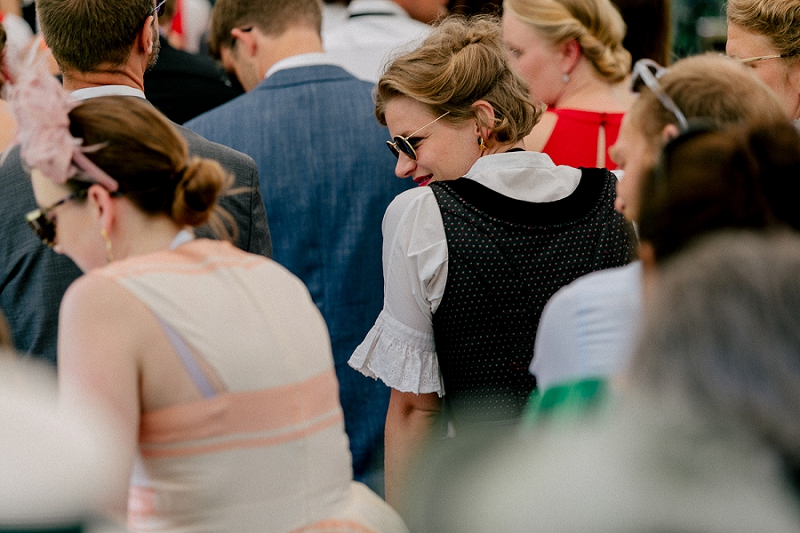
(326, 178)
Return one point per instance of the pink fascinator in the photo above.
(40, 106)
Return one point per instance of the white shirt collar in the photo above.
(182, 237)
(300, 60)
(527, 176)
(107, 90)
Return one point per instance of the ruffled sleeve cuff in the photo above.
(402, 357)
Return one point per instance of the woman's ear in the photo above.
(484, 118)
(103, 207)
(570, 54)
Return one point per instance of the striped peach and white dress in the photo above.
(267, 453)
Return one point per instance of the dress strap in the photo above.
(188, 361)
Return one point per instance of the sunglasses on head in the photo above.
(406, 144)
(158, 10)
(42, 224)
(647, 72)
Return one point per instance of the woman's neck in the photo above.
(587, 90)
(137, 233)
(495, 148)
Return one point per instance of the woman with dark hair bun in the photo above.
(216, 362)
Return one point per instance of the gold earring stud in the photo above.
(482, 144)
(109, 254)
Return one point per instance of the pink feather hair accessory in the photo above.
(41, 108)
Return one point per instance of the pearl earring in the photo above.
(565, 77)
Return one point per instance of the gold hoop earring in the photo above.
(109, 254)
(482, 144)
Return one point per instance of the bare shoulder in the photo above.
(96, 297)
(99, 322)
(537, 138)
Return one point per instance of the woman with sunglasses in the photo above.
(765, 36)
(470, 261)
(571, 54)
(216, 362)
(588, 329)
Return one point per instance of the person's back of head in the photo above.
(709, 88)
(272, 17)
(712, 180)
(596, 25)
(462, 61)
(85, 34)
(722, 334)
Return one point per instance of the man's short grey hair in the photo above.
(722, 330)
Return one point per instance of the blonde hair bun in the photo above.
(596, 25)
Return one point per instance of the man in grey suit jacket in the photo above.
(103, 48)
(326, 177)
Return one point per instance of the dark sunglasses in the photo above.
(158, 10)
(405, 144)
(647, 72)
(43, 225)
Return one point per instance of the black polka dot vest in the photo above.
(506, 258)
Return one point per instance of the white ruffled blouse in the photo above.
(399, 349)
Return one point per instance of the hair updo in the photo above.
(461, 62)
(142, 150)
(596, 25)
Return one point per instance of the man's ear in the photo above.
(485, 118)
(145, 38)
(248, 40)
(650, 270)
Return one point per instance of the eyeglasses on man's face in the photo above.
(406, 144)
(747, 60)
(647, 72)
(43, 224)
(158, 10)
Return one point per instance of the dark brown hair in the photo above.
(83, 34)
(712, 180)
